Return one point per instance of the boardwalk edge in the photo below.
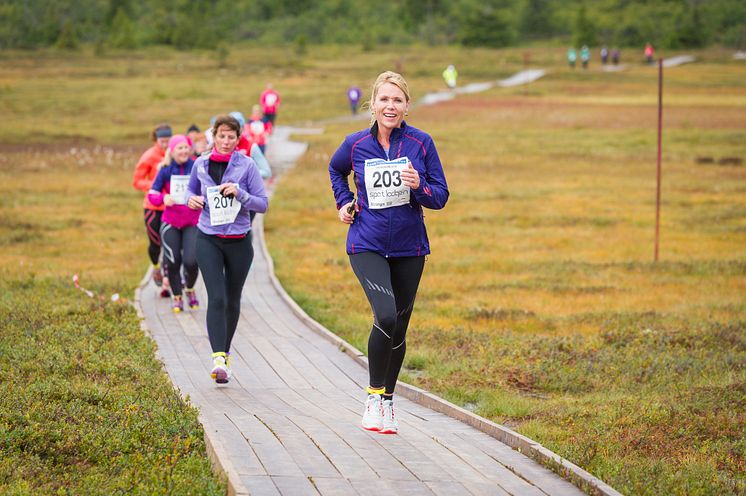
(215, 452)
(566, 469)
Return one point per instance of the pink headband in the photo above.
(177, 140)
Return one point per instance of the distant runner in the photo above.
(572, 56)
(450, 75)
(270, 101)
(353, 96)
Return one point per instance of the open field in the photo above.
(85, 408)
(540, 306)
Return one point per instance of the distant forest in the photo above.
(210, 24)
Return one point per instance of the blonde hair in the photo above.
(387, 77)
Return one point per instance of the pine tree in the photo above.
(486, 26)
(692, 34)
(68, 38)
(536, 19)
(122, 33)
(585, 29)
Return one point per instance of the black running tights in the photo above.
(224, 264)
(179, 247)
(391, 286)
(153, 228)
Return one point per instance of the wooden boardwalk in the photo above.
(288, 423)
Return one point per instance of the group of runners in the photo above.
(606, 55)
(208, 202)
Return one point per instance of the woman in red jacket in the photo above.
(257, 130)
(145, 173)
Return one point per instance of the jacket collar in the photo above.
(187, 165)
(394, 134)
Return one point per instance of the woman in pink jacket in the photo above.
(179, 222)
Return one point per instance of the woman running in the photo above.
(179, 222)
(145, 172)
(257, 130)
(396, 172)
(225, 185)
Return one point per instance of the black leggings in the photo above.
(180, 247)
(391, 286)
(153, 228)
(224, 264)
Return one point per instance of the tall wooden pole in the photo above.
(525, 72)
(660, 132)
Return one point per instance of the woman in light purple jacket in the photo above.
(226, 186)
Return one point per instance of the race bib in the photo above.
(178, 188)
(223, 209)
(270, 100)
(384, 183)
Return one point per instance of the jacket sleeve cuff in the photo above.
(243, 196)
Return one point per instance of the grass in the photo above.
(540, 306)
(85, 408)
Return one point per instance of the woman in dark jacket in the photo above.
(396, 172)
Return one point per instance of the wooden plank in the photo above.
(282, 367)
(292, 486)
(455, 468)
(309, 458)
(268, 315)
(488, 466)
(267, 446)
(264, 373)
(541, 477)
(297, 358)
(485, 489)
(333, 487)
(446, 488)
(242, 456)
(345, 460)
(191, 326)
(367, 445)
(415, 460)
(254, 324)
(383, 486)
(260, 485)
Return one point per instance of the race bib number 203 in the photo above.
(384, 184)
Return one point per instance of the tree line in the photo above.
(188, 24)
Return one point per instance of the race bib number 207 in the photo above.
(223, 209)
(384, 183)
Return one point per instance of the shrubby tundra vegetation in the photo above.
(189, 24)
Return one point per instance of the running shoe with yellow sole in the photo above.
(220, 373)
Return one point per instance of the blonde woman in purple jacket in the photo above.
(226, 186)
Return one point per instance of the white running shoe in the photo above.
(390, 425)
(373, 414)
(220, 372)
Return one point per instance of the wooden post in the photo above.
(658, 185)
